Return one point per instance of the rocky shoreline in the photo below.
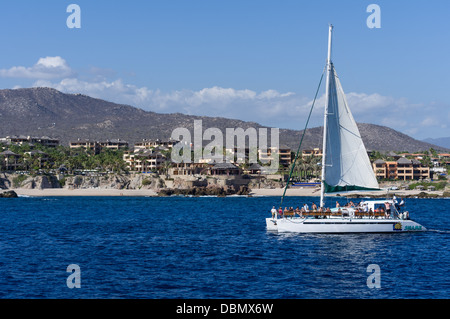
(119, 184)
(9, 194)
(205, 191)
(156, 185)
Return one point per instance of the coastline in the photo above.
(300, 192)
(312, 192)
(83, 192)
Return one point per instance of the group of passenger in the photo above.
(290, 211)
(359, 209)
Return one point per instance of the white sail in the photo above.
(347, 165)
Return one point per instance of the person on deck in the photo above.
(388, 209)
(395, 202)
(365, 208)
(306, 208)
(274, 212)
(400, 206)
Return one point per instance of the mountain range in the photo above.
(441, 141)
(48, 112)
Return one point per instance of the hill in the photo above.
(48, 112)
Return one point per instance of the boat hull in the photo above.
(342, 225)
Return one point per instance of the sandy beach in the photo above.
(309, 191)
(305, 191)
(84, 192)
(301, 191)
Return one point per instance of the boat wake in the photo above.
(439, 231)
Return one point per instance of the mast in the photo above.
(327, 97)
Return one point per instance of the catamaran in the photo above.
(345, 167)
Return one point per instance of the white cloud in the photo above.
(45, 68)
(429, 121)
(269, 107)
(362, 102)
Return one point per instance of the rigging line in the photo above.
(301, 140)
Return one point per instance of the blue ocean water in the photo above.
(209, 247)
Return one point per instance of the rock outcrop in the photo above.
(8, 194)
(205, 191)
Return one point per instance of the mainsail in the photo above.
(347, 165)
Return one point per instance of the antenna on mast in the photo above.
(330, 31)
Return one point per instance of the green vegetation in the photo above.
(68, 159)
(62, 182)
(307, 168)
(439, 185)
(17, 181)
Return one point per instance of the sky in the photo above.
(253, 60)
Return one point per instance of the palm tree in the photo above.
(165, 168)
(315, 166)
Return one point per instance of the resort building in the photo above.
(444, 159)
(224, 169)
(144, 160)
(41, 157)
(114, 144)
(87, 145)
(96, 146)
(254, 169)
(21, 140)
(391, 170)
(241, 155)
(312, 152)
(212, 159)
(147, 144)
(380, 168)
(393, 155)
(402, 169)
(283, 151)
(9, 161)
(187, 169)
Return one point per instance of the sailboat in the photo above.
(345, 167)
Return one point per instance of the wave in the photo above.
(439, 231)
